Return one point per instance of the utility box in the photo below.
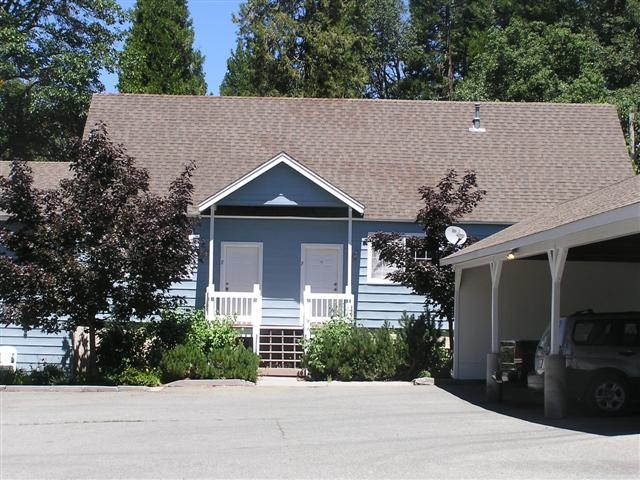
(8, 357)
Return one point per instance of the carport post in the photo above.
(555, 402)
(493, 387)
(456, 317)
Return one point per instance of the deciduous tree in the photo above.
(51, 54)
(444, 205)
(98, 247)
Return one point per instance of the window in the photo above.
(377, 269)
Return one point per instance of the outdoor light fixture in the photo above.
(512, 254)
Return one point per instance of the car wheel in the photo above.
(607, 394)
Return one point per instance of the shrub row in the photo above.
(342, 350)
(181, 344)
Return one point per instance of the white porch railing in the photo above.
(319, 307)
(245, 307)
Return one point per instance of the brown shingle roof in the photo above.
(46, 175)
(608, 199)
(377, 151)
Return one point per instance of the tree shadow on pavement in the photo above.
(527, 405)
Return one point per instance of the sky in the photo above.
(215, 38)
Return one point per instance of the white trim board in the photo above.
(298, 167)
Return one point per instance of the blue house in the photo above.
(288, 189)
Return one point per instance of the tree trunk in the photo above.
(449, 23)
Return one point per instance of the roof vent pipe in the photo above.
(476, 121)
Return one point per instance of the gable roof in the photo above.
(617, 204)
(378, 152)
(279, 159)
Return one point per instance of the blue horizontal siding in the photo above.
(35, 348)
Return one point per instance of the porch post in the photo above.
(210, 287)
(211, 240)
(492, 386)
(349, 252)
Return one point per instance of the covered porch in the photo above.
(280, 257)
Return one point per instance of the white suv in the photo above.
(602, 352)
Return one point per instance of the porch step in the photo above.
(280, 349)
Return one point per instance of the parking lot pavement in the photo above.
(280, 431)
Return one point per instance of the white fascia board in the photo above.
(298, 167)
(604, 226)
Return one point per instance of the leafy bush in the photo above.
(424, 347)
(141, 345)
(122, 345)
(46, 375)
(341, 350)
(208, 336)
(148, 377)
(8, 377)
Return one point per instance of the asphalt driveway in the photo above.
(292, 431)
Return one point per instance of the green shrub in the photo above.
(188, 361)
(232, 362)
(8, 377)
(208, 336)
(148, 377)
(122, 345)
(183, 361)
(424, 347)
(48, 375)
(340, 350)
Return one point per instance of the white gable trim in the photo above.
(298, 167)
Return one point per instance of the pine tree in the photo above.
(158, 55)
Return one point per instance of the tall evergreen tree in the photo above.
(266, 61)
(158, 55)
(318, 48)
(51, 54)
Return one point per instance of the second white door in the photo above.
(321, 268)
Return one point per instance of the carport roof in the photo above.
(608, 213)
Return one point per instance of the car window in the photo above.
(593, 332)
(631, 334)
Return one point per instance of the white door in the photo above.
(240, 266)
(321, 268)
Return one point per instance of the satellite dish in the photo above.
(455, 235)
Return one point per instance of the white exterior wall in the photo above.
(473, 322)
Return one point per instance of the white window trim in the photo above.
(192, 274)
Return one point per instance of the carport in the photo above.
(582, 254)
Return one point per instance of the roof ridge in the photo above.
(348, 100)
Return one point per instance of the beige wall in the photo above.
(601, 286)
